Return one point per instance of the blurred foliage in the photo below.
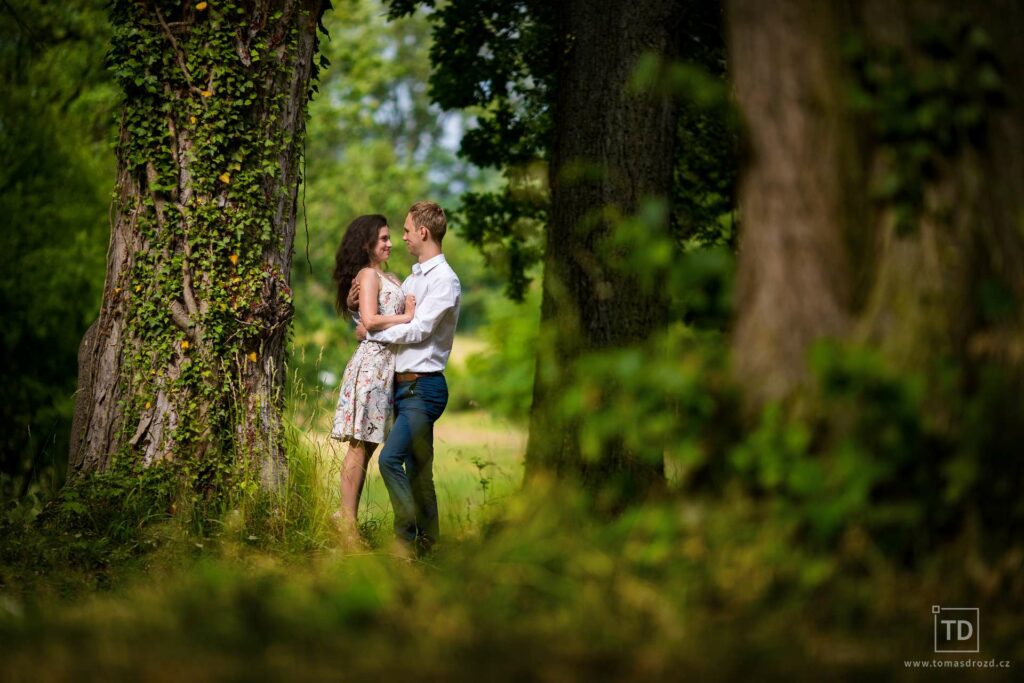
(544, 590)
(56, 121)
(698, 277)
(909, 459)
(923, 112)
(906, 460)
(664, 398)
(912, 459)
(854, 458)
(499, 379)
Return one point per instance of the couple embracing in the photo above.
(394, 388)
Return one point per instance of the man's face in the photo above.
(411, 236)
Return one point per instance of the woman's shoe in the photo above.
(348, 533)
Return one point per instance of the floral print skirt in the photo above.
(365, 404)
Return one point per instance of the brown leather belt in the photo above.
(413, 376)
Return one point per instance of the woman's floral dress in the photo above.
(365, 403)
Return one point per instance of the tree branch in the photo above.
(188, 294)
(180, 318)
(177, 50)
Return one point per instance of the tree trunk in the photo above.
(186, 360)
(794, 269)
(611, 149)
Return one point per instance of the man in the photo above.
(421, 392)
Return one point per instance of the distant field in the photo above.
(463, 347)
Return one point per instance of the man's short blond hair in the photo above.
(431, 216)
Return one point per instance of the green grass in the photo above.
(477, 464)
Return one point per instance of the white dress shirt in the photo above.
(425, 342)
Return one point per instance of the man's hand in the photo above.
(360, 332)
(410, 307)
(353, 296)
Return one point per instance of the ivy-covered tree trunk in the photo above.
(947, 279)
(186, 360)
(612, 148)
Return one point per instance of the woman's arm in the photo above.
(369, 287)
(443, 297)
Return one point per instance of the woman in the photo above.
(364, 406)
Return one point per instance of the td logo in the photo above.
(957, 629)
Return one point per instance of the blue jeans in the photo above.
(407, 459)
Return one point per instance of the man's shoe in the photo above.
(424, 546)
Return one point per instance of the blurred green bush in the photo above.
(500, 378)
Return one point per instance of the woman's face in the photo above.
(382, 247)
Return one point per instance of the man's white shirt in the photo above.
(424, 343)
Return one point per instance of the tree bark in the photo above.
(611, 149)
(794, 281)
(186, 360)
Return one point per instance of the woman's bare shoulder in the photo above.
(367, 274)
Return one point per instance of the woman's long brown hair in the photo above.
(354, 254)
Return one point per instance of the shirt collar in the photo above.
(426, 267)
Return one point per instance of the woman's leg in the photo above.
(353, 475)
